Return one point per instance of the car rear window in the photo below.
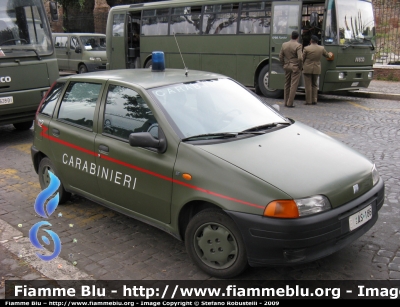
(47, 107)
(79, 102)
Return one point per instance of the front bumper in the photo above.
(272, 241)
(95, 66)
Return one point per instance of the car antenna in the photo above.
(186, 70)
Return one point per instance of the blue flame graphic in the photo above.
(33, 236)
(45, 194)
(40, 209)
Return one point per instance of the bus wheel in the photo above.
(149, 64)
(263, 85)
(82, 69)
(45, 166)
(23, 126)
(215, 245)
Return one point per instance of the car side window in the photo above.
(79, 103)
(126, 112)
(60, 42)
(47, 107)
(74, 42)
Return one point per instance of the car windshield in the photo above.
(94, 43)
(23, 29)
(213, 106)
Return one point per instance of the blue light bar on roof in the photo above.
(158, 61)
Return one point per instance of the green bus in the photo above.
(28, 65)
(242, 38)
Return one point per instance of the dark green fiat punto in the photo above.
(204, 159)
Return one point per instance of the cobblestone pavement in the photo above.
(98, 243)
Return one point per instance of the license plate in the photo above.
(6, 100)
(355, 84)
(360, 218)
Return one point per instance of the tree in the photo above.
(70, 4)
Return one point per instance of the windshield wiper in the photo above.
(358, 43)
(26, 49)
(218, 135)
(372, 44)
(266, 126)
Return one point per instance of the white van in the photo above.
(80, 52)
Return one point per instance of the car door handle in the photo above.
(103, 149)
(55, 132)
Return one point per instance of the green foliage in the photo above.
(72, 3)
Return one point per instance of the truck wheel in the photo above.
(149, 64)
(215, 245)
(45, 166)
(23, 126)
(82, 69)
(263, 84)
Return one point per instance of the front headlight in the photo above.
(295, 208)
(312, 205)
(94, 59)
(375, 175)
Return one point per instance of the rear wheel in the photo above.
(263, 80)
(215, 245)
(45, 166)
(82, 69)
(24, 125)
(149, 64)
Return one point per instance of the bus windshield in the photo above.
(353, 21)
(23, 29)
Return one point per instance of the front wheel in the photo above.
(24, 125)
(45, 166)
(215, 245)
(82, 69)
(263, 80)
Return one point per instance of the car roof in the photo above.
(144, 77)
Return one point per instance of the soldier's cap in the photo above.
(314, 38)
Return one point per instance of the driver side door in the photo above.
(132, 178)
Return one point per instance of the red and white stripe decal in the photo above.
(46, 135)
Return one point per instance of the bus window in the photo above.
(155, 22)
(185, 20)
(285, 19)
(220, 19)
(118, 25)
(255, 18)
(331, 24)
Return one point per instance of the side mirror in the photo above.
(53, 10)
(276, 107)
(314, 19)
(145, 139)
(78, 50)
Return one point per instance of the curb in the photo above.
(373, 95)
(57, 269)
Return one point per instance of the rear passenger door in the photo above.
(133, 178)
(72, 133)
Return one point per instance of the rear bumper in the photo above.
(271, 241)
